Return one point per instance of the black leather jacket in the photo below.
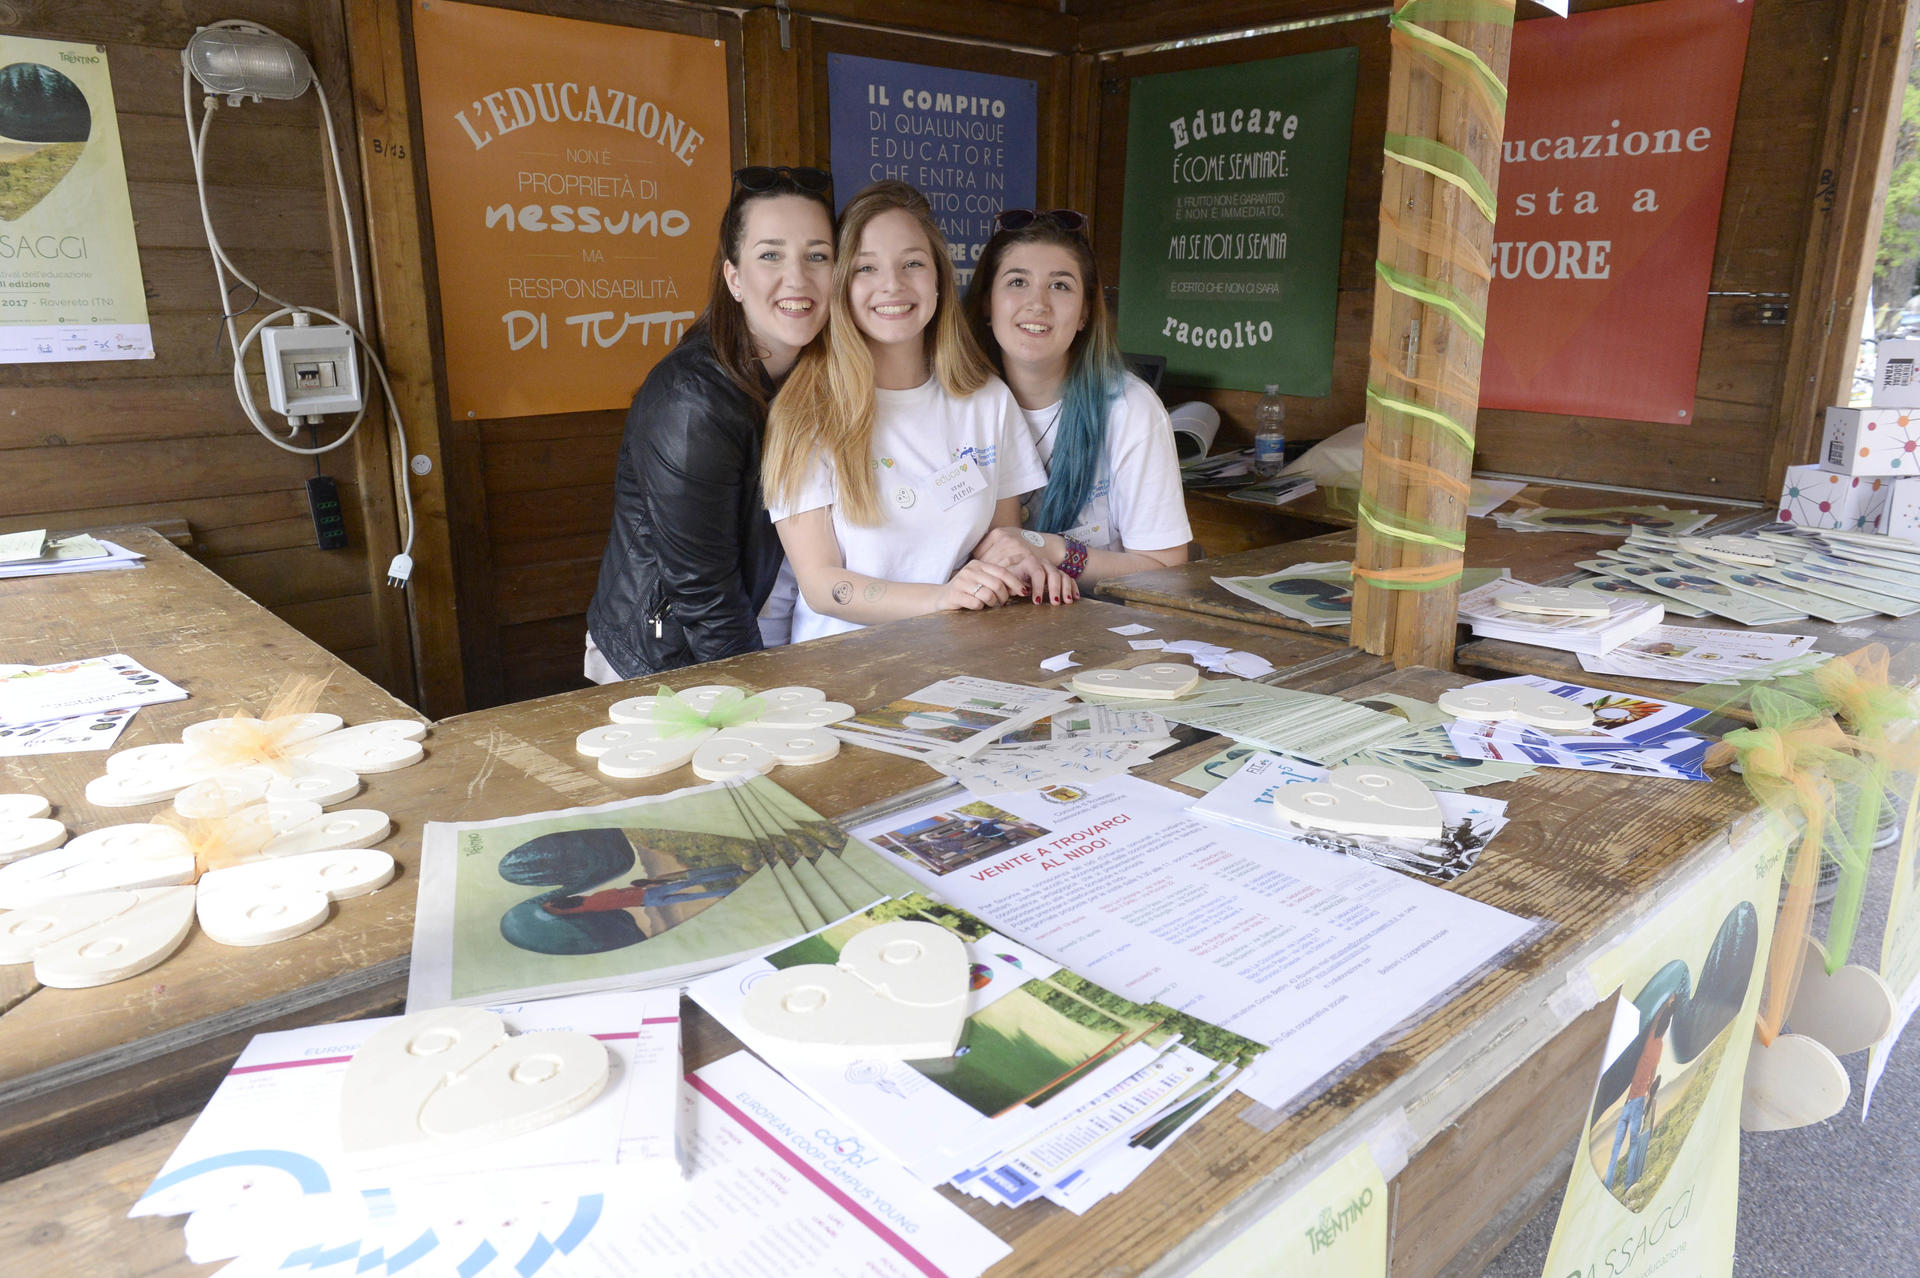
(692, 555)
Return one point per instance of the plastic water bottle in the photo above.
(1270, 433)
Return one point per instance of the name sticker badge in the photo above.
(958, 483)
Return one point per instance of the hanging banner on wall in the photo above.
(1656, 1176)
(577, 173)
(1230, 238)
(70, 282)
(969, 140)
(1611, 175)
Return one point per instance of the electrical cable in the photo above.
(402, 566)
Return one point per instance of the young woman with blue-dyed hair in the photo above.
(1112, 504)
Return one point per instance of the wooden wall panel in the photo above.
(1772, 179)
(144, 440)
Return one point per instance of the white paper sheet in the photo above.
(65, 736)
(1286, 946)
(37, 694)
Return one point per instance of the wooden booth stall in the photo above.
(492, 467)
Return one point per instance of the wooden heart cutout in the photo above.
(650, 758)
(1362, 799)
(898, 992)
(1847, 1011)
(266, 901)
(23, 807)
(1553, 601)
(28, 835)
(726, 756)
(365, 754)
(1161, 680)
(1517, 702)
(23, 932)
(104, 950)
(454, 1077)
(1791, 1082)
(332, 831)
(806, 714)
(790, 747)
(118, 857)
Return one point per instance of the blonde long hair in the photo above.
(826, 405)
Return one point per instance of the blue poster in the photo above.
(969, 140)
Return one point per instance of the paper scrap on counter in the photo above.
(68, 689)
(16, 546)
(1121, 883)
(1131, 628)
(1059, 661)
(1146, 645)
(1487, 495)
(65, 736)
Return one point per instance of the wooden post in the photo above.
(377, 53)
(1424, 353)
(1836, 271)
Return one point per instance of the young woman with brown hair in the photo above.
(692, 560)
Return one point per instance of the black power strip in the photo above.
(329, 524)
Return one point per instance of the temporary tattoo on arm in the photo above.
(843, 592)
(874, 590)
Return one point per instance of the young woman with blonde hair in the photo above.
(893, 448)
(1113, 502)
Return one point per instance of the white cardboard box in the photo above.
(1902, 514)
(1871, 441)
(1817, 498)
(1896, 374)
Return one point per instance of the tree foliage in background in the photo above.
(1898, 258)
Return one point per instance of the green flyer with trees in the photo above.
(1230, 238)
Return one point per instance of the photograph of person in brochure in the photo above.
(948, 841)
(1654, 1086)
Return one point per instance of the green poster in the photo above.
(1656, 1178)
(1230, 244)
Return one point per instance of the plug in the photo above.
(399, 570)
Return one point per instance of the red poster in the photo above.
(1610, 182)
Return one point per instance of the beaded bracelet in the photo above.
(1075, 562)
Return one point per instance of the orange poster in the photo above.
(577, 173)
(1611, 175)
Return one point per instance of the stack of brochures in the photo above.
(1688, 654)
(264, 1176)
(1603, 521)
(1632, 734)
(1768, 576)
(1061, 1089)
(1277, 491)
(75, 705)
(34, 554)
(1480, 608)
(1000, 738)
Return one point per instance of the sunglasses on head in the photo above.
(768, 177)
(1071, 220)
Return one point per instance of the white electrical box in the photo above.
(311, 369)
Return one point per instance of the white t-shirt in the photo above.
(1136, 501)
(940, 466)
